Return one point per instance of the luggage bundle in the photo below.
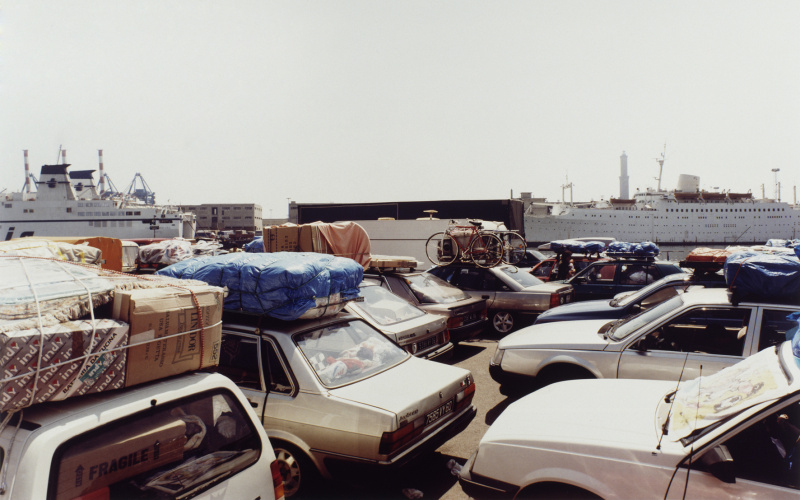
(283, 285)
(343, 239)
(575, 246)
(68, 329)
(624, 249)
(775, 276)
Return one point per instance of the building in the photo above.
(226, 216)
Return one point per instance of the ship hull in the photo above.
(672, 223)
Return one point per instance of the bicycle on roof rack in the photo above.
(468, 244)
(514, 246)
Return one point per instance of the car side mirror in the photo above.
(643, 344)
(719, 462)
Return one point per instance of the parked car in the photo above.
(669, 341)
(513, 297)
(546, 269)
(465, 315)
(334, 395)
(604, 279)
(175, 438)
(531, 258)
(644, 439)
(627, 303)
(414, 330)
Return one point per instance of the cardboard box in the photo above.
(282, 239)
(142, 446)
(157, 313)
(19, 355)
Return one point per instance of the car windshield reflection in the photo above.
(432, 290)
(385, 307)
(348, 352)
(633, 323)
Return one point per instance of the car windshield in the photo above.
(523, 278)
(347, 352)
(385, 307)
(432, 290)
(644, 292)
(626, 326)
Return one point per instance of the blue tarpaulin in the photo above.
(283, 285)
(765, 275)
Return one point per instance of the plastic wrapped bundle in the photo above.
(255, 246)
(646, 248)
(594, 247)
(166, 252)
(764, 275)
(619, 247)
(284, 285)
(576, 246)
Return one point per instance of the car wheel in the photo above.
(503, 322)
(297, 471)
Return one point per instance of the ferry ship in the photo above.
(68, 203)
(683, 216)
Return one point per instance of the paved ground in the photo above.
(430, 475)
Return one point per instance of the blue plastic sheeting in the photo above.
(644, 249)
(283, 285)
(255, 246)
(594, 246)
(765, 275)
(575, 246)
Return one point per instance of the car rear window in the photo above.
(432, 290)
(521, 277)
(385, 307)
(347, 352)
(177, 449)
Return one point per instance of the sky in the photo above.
(349, 101)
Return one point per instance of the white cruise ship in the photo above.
(70, 204)
(684, 216)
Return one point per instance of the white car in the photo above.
(335, 394)
(667, 342)
(191, 436)
(733, 434)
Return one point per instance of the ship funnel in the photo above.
(101, 186)
(63, 156)
(623, 176)
(688, 183)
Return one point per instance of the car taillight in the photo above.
(455, 322)
(555, 300)
(393, 441)
(445, 336)
(277, 479)
(464, 397)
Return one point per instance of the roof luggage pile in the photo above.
(68, 328)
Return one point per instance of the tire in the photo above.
(503, 322)
(514, 248)
(441, 249)
(561, 373)
(298, 472)
(486, 250)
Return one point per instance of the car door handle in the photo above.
(254, 404)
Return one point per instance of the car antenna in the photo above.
(671, 403)
(691, 451)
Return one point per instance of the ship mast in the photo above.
(661, 166)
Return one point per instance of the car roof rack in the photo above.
(381, 263)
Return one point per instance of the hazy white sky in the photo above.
(362, 101)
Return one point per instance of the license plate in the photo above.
(470, 318)
(424, 344)
(439, 412)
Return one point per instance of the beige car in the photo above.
(335, 391)
(414, 330)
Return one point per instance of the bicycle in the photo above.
(514, 246)
(483, 249)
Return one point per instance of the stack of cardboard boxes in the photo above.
(153, 331)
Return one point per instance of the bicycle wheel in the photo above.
(514, 247)
(441, 249)
(486, 250)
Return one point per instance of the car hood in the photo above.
(615, 419)
(558, 335)
(576, 310)
(410, 389)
